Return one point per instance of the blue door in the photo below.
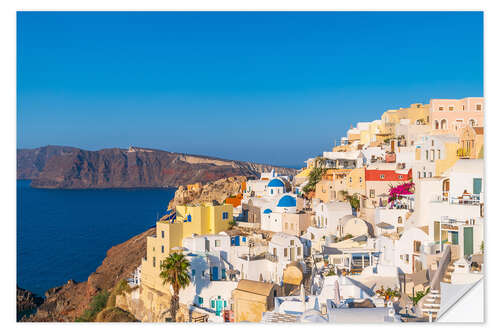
(215, 273)
(237, 240)
(477, 186)
(218, 307)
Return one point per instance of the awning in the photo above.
(384, 225)
(331, 250)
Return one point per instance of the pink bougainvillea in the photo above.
(396, 192)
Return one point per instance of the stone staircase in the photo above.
(449, 271)
(431, 305)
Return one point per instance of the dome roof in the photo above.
(287, 201)
(276, 183)
(267, 211)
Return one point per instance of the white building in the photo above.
(432, 148)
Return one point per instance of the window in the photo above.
(299, 251)
(200, 300)
(350, 179)
(432, 155)
(441, 108)
(419, 174)
(275, 252)
(162, 234)
(286, 226)
(463, 107)
(432, 143)
(425, 174)
(450, 108)
(360, 179)
(193, 274)
(400, 220)
(271, 191)
(407, 258)
(382, 176)
(212, 304)
(189, 218)
(285, 252)
(400, 176)
(217, 243)
(430, 174)
(154, 261)
(292, 242)
(244, 239)
(162, 249)
(427, 155)
(372, 193)
(439, 154)
(225, 215)
(478, 107)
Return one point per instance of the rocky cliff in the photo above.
(27, 302)
(218, 190)
(74, 168)
(67, 302)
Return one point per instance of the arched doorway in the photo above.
(444, 125)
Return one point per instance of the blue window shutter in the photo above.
(212, 303)
(200, 300)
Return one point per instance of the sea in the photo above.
(64, 234)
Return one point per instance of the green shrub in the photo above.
(97, 304)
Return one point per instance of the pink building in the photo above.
(449, 116)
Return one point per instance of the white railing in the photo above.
(473, 200)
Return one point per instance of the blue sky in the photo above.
(265, 87)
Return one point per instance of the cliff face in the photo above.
(74, 168)
(67, 302)
(218, 190)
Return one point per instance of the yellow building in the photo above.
(252, 298)
(450, 158)
(356, 181)
(201, 219)
(417, 113)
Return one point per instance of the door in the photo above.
(215, 273)
(218, 307)
(478, 184)
(237, 241)
(454, 237)
(468, 241)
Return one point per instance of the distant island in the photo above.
(60, 167)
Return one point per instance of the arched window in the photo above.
(472, 122)
(436, 124)
(444, 125)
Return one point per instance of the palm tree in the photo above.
(175, 271)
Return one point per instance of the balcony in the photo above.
(266, 255)
(471, 199)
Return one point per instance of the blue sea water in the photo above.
(64, 234)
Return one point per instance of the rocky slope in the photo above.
(26, 302)
(74, 168)
(67, 302)
(218, 190)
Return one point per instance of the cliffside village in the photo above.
(385, 227)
